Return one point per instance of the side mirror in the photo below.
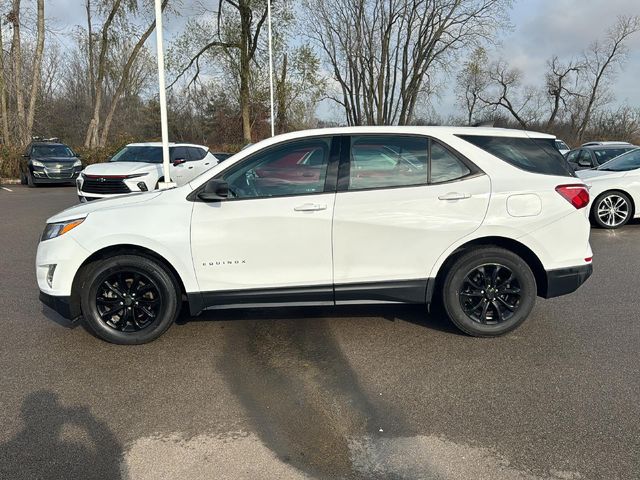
(179, 161)
(214, 190)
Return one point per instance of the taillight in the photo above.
(576, 195)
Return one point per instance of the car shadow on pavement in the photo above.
(435, 319)
(55, 317)
(59, 442)
(302, 396)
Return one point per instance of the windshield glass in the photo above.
(40, 151)
(139, 154)
(623, 163)
(604, 155)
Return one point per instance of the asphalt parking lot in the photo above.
(348, 393)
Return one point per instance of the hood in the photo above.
(584, 174)
(83, 209)
(120, 168)
(56, 159)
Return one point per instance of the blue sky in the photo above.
(541, 28)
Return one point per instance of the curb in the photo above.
(9, 181)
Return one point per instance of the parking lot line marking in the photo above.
(7, 189)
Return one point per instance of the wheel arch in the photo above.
(510, 244)
(111, 250)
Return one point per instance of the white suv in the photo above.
(484, 219)
(138, 168)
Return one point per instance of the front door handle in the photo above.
(454, 196)
(310, 207)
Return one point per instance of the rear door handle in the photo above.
(310, 207)
(454, 196)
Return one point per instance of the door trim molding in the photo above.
(415, 291)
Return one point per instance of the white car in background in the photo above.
(615, 190)
(485, 219)
(138, 168)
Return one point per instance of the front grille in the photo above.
(104, 186)
(58, 174)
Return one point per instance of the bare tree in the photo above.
(505, 91)
(36, 74)
(472, 81)
(237, 35)
(4, 112)
(602, 60)
(559, 78)
(125, 77)
(384, 53)
(91, 138)
(16, 64)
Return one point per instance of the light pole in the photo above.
(163, 99)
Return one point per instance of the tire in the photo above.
(611, 210)
(491, 276)
(30, 182)
(110, 308)
(23, 179)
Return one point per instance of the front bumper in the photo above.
(566, 280)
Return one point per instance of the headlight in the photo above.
(36, 163)
(53, 230)
(77, 163)
(136, 175)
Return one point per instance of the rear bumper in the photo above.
(63, 305)
(566, 280)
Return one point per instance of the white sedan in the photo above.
(615, 190)
(138, 168)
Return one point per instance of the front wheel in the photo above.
(128, 299)
(611, 210)
(489, 291)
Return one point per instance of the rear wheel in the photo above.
(489, 291)
(128, 299)
(612, 210)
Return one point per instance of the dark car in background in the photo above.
(595, 154)
(222, 156)
(49, 161)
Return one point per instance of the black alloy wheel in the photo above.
(128, 301)
(488, 291)
(490, 294)
(128, 298)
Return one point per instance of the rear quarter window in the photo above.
(536, 155)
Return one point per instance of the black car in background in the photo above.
(592, 156)
(49, 161)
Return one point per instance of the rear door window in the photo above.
(388, 161)
(536, 155)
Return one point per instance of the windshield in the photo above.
(604, 155)
(40, 151)
(139, 154)
(623, 163)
